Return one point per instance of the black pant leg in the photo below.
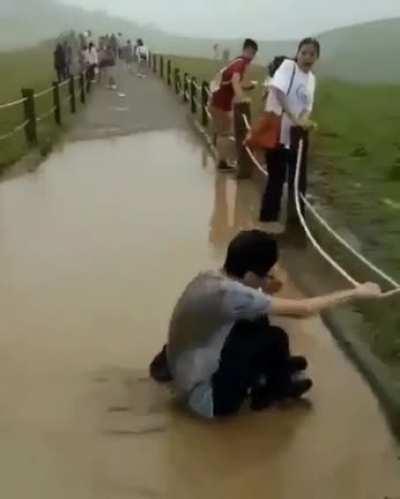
(252, 349)
(277, 168)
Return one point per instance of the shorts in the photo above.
(222, 121)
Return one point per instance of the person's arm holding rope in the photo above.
(312, 306)
(302, 121)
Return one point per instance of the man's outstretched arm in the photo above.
(311, 306)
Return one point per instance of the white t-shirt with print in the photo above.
(300, 97)
(200, 324)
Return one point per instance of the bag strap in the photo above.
(292, 79)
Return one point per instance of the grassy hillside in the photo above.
(361, 53)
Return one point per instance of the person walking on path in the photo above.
(221, 347)
(107, 66)
(227, 87)
(93, 60)
(291, 96)
(60, 62)
(142, 57)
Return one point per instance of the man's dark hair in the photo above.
(250, 44)
(251, 251)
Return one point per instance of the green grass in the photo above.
(29, 68)
(356, 159)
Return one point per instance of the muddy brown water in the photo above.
(95, 247)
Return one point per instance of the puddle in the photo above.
(96, 246)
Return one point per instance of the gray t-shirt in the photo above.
(201, 322)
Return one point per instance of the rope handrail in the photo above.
(46, 115)
(14, 131)
(342, 241)
(13, 103)
(326, 225)
(389, 293)
(307, 230)
(43, 92)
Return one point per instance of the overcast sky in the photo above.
(264, 19)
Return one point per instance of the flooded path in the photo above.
(95, 249)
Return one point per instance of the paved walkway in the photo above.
(95, 248)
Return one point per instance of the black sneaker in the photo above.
(298, 388)
(261, 398)
(297, 363)
(224, 167)
(159, 369)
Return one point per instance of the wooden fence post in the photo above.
(244, 161)
(162, 67)
(169, 69)
(155, 63)
(56, 102)
(72, 94)
(204, 103)
(193, 95)
(185, 87)
(30, 116)
(82, 88)
(177, 77)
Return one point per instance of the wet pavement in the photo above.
(96, 246)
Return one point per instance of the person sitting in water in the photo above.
(221, 347)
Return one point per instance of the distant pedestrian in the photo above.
(93, 60)
(129, 55)
(84, 59)
(60, 62)
(68, 59)
(107, 63)
(114, 44)
(142, 57)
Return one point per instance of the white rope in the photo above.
(46, 115)
(16, 130)
(352, 250)
(210, 117)
(43, 92)
(14, 103)
(312, 239)
(246, 121)
(250, 152)
(325, 224)
(63, 84)
(255, 161)
(198, 87)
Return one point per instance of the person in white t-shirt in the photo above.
(291, 96)
(221, 347)
(142, 57)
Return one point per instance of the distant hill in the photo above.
(361, 53)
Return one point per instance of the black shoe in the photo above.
(224, 167)
(297, 363)
(298, 388)
(268, 218)
(261, 398)
(159, 369)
